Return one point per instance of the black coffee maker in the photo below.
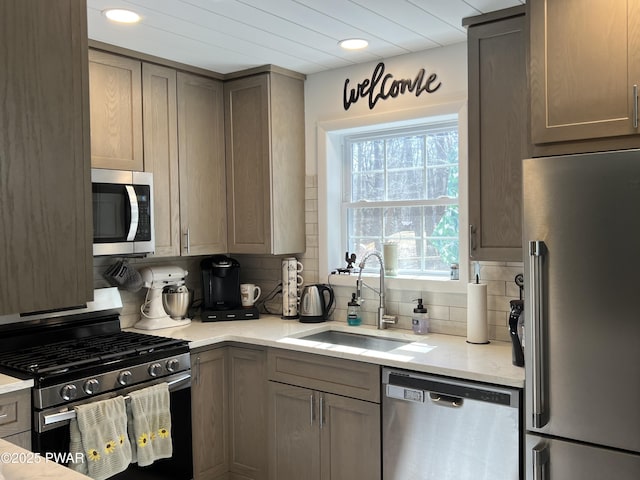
(220, 283)
(516, 325)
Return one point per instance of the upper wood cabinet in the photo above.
(116, 112)
(45, 183)
(203, 201)
(585, 66)
(160, 133)
(499, 132)
(264, 132)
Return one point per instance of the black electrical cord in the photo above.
(270, 296)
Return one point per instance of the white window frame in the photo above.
(330, 222)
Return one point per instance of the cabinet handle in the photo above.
(197, 372)
(472, 240)
(188, 240)
(635, 106)
(311, 405)
(321, 419)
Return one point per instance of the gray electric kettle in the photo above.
(315, 303)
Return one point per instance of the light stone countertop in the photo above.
(432, 353)
(16, 463)
(10, 384)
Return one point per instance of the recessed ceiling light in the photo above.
(353, 43)
(121, 15)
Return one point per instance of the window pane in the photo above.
(405, 185)
(443, 238)
(367, 186)
(442, 148)
(442, 182)
(366, 225)
(404, 226)
(405, 152)
(367, 155)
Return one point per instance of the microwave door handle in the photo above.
(133, 203)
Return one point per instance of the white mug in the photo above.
(249, 293)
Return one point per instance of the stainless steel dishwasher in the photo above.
(447, 429)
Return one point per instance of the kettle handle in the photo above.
(327, 308)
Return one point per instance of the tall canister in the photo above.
(291, 283)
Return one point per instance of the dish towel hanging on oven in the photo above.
(99, 439)
(150, 424)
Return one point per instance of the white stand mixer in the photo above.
(152, 313)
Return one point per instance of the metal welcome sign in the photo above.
(382, 86)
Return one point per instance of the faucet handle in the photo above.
(393, 319)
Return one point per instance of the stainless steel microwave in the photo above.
(122, 212)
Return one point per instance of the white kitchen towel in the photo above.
(99, 432)
(149, 415)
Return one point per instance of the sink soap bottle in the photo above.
(353, 312)
(420, 319)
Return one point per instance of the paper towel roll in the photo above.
(477, 327)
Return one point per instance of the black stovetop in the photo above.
(84, 354)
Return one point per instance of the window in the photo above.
(401, 186)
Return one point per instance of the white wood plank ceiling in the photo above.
(302, 35)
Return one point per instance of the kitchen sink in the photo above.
(367, 342)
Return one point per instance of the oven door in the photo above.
(51, 432)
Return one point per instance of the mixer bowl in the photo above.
(176, 304)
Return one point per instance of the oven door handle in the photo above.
(174, 385)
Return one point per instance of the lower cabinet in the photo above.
(228, 409)
(247, 414)
(209, 413)
(15, 418)
(316, 433)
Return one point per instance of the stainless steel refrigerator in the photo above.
(582, 316)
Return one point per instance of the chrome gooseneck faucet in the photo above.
(383, 320)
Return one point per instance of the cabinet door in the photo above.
(116, 112)
(264, 132)
(584, 63)
(45, 183)
(498, 137)
(203, 201)
(248, 158)
(350, 438)
(248, 413)
(294, 444)
(209, 413)
(161, 154)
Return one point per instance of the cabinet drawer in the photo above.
(327, 374)
(15, 408)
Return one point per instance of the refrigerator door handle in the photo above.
(540, 454)
(537, 250)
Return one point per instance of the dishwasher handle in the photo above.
(446, 400)
(414, 387)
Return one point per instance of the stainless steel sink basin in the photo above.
(366, 342)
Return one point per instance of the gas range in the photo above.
(78, 354)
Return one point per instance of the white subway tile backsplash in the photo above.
(447, 311)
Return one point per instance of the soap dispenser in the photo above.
(420, 319)
(353, 312)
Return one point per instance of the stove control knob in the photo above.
(124, 377)
(155, 369)
(91, 386)
(69, 392)
(173, 365)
